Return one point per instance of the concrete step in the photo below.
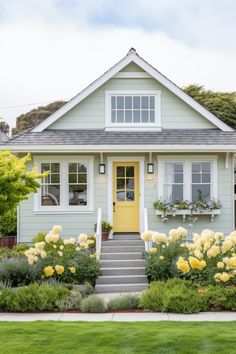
(123, 279)
(126, 236)
(122, 249)
(123, 271)
(121, 256)
(123, 243)
(120, 288)
(122, 263)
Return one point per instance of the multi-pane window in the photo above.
(68, 185)
(201, 181)
(77, 184)
(125, 183)
(173, 181)
(133, 109)
(50, 185)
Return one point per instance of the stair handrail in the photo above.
(98, 234)
(148, 244)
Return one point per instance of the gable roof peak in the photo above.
(132, 50)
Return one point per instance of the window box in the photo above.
(184, 212)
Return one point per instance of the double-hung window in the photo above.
(68, 185)
(190, 179)
(129, 109)
(173, 181)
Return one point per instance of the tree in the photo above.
(35, 116)
(221, 104)
(16, 183)
(4, 127)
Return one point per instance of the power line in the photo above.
(27, 104)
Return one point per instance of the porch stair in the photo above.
(122, 265)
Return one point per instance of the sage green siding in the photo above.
(90, 113)
(73, 224)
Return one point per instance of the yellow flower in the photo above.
(183, 265)
(213, 251)
(198, 254)
(60, 253)
(182, 232)
(61, 247)
(196, 237)
(207, 245)
(173, 235)
(146, 236)
(232, 262)
(226, 260)
(43, 254)
(153, 250)
(82, 238)
(52, 237)
(219, 236)
(227, 245)
(161, 258)
(196, 263)
(59, 269)
(222, 276)
(78, 249)
(72, 270)
(57, 229)
(158, 237)
(39, 246)
(31, 259)
(220, 265)
(48, 271)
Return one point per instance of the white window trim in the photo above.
(187, 168)
(64, 207)
(109, 126)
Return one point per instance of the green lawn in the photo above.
(111, 337)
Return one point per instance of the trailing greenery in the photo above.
(18, 271)
(34, 297)
(16, 182)
(93, 304)
(8, 223)
(123, 302)
(198, 206)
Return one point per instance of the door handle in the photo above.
(114, 207)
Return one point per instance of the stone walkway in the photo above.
(118, 317)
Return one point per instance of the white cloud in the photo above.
(42, 60)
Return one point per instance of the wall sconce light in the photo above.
(150, 168)
(102, 166)
(150, 165)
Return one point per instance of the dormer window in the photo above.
(133, 109)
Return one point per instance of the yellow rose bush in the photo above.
(161, 258)
(210, 258)
(71, 260)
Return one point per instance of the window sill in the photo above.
(54, 212)
(188, 212)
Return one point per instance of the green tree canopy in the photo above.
(16, 183)
(35, 116)
(4, 127)
(221, 104)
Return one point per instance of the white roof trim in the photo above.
(119, 148)
(132, 56)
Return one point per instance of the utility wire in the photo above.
(27, 104)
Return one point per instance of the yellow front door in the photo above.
(126, 197)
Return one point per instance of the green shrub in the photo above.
(8, 223)
(85, 289)
(5, 284)
(93, 304)
(18, 271)
(16, 251)
(34, 297)
(174, 295)
(70, 303)
(221, 297)
(162, 265)
(40, 237)
(124, 302)
(88, 268)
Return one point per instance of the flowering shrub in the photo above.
(70, 260)
(165, 250)
(210, 258)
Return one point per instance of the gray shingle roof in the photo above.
(3, 138)
(101, 137)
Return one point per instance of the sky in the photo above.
(52, 49)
